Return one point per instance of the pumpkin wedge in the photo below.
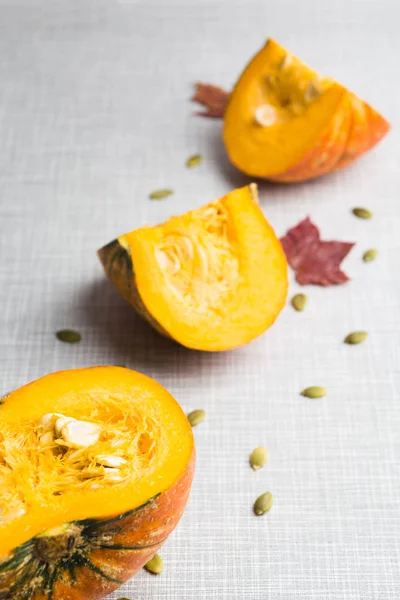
(212, 279)
(285, 122)
(95, 470)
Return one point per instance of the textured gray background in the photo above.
(94, 115)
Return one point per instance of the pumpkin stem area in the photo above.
(56, 454)
(57, 544)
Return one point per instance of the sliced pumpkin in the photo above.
(212, 279)
(95, 471)
(285, 122)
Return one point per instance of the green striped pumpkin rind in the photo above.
(32, 574)
(4, 397)
(118, 265)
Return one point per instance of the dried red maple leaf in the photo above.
(213, 99)
(313, 260)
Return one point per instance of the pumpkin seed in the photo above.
(258, 458)
(362, 213)
(263, 503)
(285, 62)
(60, 423)
(69, 336)
(112, 474)
(370, 255)
(155, 565)
(313, 91)
(159, 194)
(47, 439)
(314, 391)
(79, 434)
(108, 460)
(196, 417)
(356, 337)
(299, 302)
(194, 160)
(265, 115)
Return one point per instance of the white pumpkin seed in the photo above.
(112, 474)
(108, 460)
(80, 434)
(265, 115)
(47, 439)
(48, 421)
(60, 423)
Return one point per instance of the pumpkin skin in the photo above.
(87, 558)
(315, 125)
(234, 286)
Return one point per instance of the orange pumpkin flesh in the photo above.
(70, 527)
(212, 279)
(285, 122)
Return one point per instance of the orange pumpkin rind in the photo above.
(286, 123)
(52, 550)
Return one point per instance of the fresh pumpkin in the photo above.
(285, 122)
(95, 470)
(212, 279)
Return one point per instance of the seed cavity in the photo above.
(356, 337)
(201, 264)
(263, 504)
(76, 433)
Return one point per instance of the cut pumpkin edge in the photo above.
(138, 277)
(260, 154)
(100, 504)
